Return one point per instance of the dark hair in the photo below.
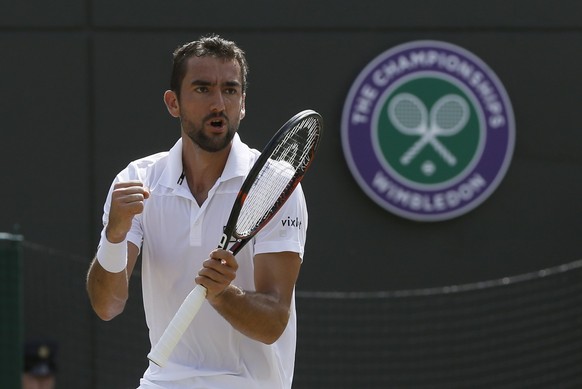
(208, 46)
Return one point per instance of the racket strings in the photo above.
(277, 177)
(304, 136)
(273, 179)
(449, 115)
(408, 114)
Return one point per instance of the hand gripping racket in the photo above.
(270, 182)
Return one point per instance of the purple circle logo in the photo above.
(428, 130)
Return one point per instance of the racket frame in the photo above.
(229, 229)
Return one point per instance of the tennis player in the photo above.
(172, 207)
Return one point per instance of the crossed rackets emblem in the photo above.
(447, 117)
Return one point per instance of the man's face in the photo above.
(211, 102)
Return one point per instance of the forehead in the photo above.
(216, 70)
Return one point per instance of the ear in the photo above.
(242, 107)
(171, 101)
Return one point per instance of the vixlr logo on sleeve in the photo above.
(428, 130)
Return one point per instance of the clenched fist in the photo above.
(127, 200)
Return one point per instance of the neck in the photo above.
(202, 168)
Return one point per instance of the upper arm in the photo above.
(276, 274)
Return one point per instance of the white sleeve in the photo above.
(287, 230)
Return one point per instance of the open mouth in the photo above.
(217, 123)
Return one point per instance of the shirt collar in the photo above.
(238, 164)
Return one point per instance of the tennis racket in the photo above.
(270, 182)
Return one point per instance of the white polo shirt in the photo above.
(176, 235)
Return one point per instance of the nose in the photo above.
(218, 102)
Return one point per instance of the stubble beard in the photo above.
(211, 144)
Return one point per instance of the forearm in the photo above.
(259, 316)
(108, 292)
(108, 277)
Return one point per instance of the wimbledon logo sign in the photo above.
(428, 130)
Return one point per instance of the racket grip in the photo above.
(160, 353)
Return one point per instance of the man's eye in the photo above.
(201, 89)
(231, 91)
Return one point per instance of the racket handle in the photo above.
(176, 328)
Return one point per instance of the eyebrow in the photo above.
(208, 83)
